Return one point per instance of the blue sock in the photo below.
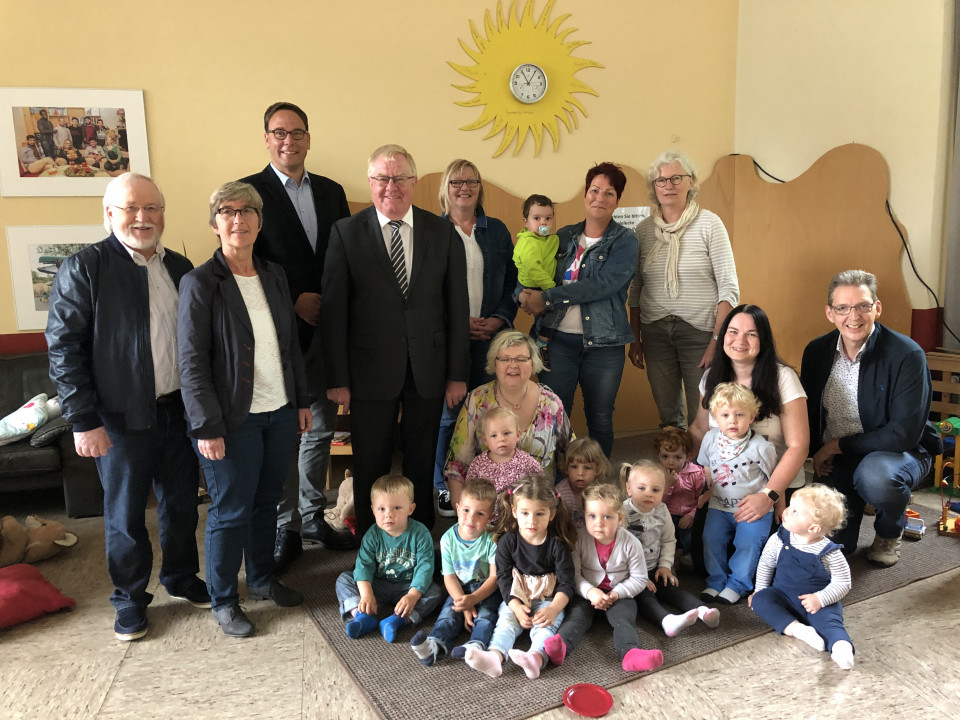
(361, 625)
(390, 626)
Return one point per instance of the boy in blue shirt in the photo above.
(467, 555)
(394, 566)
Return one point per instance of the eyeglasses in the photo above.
(461, 183)
(861, 308)
(674, 180)
(229, 213)
(513, 360)
(133, 210)
(398, 180)
(281, 134)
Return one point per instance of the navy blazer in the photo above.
(282, 238)
(893, 394)
(369, 328)
(216, 346)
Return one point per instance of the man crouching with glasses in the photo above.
(868, 400)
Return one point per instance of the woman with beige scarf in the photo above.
(684, 286)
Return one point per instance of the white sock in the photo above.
(531, 662)
(672, 624)
(842, 654)
(486, 661)
(805, 633)
(710, 616)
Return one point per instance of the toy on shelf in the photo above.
(948, 518)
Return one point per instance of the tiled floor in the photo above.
(69, 665)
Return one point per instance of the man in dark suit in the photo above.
(298, 210)
(395, 322)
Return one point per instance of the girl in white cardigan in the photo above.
(610, 571)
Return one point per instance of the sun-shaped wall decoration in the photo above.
(523, 76)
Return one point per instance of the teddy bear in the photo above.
(41, 539)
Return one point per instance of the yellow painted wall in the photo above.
(209, 69)
(815, 74)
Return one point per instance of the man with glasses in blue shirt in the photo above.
(868, 401)
(299, 209)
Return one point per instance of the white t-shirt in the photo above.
(790, 389)
(269, 390)
(573, 322)
(474, 269)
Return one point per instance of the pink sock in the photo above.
(637, 660)
(486, 661)
(556, 649)
(531, 662)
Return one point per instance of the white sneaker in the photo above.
(884, 552)
(444, 506)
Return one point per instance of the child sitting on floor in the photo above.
(685, 483)
(503, 463)
(394, 566)
(535, 575)
(468, 560)
(737, 462)
(585, 462)
(810, 574)
(649, 520)
(611, 572)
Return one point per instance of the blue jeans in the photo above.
(598, 371)
(509, 629)
(450, 622)
(478, 376)
(387, 594)
(245, 487)
(739, 570)
(883, 479)
(159, 458)
(303, 501)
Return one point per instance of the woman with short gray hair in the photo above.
(684, 287)
(245, 394)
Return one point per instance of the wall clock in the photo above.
(535, 49)
(528, 83)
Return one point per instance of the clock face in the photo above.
(528, 83)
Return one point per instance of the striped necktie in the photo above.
(396, 256)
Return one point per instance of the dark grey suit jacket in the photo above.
(369, 328)
(282, 239)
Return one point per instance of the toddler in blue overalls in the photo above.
(809, 574)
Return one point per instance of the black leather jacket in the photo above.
(98, 335)
(216, 346)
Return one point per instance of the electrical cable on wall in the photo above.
(903, 241)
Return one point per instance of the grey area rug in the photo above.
(399, 688)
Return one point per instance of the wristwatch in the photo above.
(772, 494)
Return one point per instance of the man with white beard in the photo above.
(112, 339)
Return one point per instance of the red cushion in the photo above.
(25, 594)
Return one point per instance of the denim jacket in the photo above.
(499, 272)
(601, 287)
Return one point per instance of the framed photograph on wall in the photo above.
(58, 142)
(36, 253)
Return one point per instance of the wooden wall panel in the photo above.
(789, 239)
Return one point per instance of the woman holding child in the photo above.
(245, 394)
(749, 357)
(585, 310)
(544, 426)
(491, 278)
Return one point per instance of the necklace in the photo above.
(516, 405)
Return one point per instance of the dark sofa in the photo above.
(24, 467)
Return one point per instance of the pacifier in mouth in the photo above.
(544, 230)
